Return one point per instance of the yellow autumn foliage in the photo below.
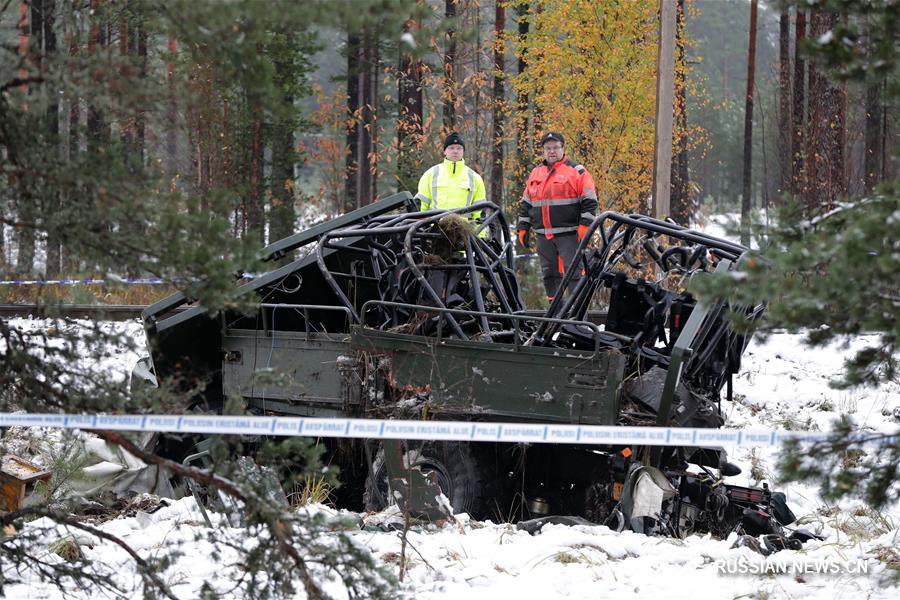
(591, 74)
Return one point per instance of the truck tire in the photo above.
(466, 474)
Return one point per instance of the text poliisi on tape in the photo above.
(416, 430)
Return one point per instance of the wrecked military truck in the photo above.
(387, 312)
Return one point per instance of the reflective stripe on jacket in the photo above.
(450, 185)
(558, 198)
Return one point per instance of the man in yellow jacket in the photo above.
(450, 184)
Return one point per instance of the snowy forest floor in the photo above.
(782, 384)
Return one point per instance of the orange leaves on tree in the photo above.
(591, 74)
(329, 151)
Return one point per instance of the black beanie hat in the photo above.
(454, 138)
(553, 137)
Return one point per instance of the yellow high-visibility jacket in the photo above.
(450, 185)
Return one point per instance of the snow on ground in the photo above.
(728, 225)
(782, 385)
(116, 359)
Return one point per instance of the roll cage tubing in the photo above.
(612, 236)
(409, 225)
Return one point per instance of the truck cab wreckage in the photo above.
(390, 313)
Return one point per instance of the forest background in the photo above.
(255, 116)
(174, 139)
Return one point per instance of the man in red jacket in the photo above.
(559, 203)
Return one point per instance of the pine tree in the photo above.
(834, 275)
(113, 197)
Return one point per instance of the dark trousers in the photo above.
(556, 255)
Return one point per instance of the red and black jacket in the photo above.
(558, 198)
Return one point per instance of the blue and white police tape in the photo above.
(107, 281)
(79, 281)
(416, 430)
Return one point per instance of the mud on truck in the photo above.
(391, 313)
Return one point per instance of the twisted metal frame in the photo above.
(666, 252)
(393, 251)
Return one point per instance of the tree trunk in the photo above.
(479, 130)
(409, 119)
(825, 127)
(97, 128)
(813, 196)
(353, 71)
(724, 69)
(873, 141)
(374, 77)
(873, 136)
(66, 259)
(255, 220)
(450, 67)
(748, 128)
(171, 160)
(784, 102)
(884, 133)
(201, 125)
(366, 104)
(22, 51)
(141, 115)
(54, 243)
(798, 166)
(497, 103)
(228, 156)
(680, 209)
(523, 145)
(282, 214)
(41, 48)
(22, 26)
(131, 38)
(31, 46)
(128, 130)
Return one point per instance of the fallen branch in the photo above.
(280, 528)
(147, 571)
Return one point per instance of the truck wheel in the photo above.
(467, 476)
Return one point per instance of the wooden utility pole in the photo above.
(665, 98)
